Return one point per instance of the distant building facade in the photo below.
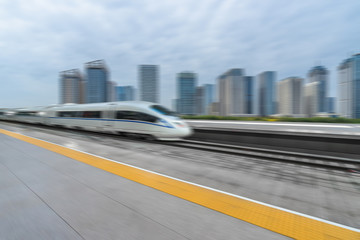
(148, 76)
(267, 93)
(290, 97)
(205, 96)
(349, 87)
(71, 87)
(111, 91)
(248, 91)
(125, 93)
(199, 100)
(331, 104)
(186, 93)
(214, 109)
(97, 81)
(229, 91)
(320, 74)
(311, 101)
(235, 93)
(209, 98)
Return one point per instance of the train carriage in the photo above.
(129, 118)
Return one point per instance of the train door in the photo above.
(108, 119)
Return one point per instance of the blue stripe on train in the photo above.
(119, 120)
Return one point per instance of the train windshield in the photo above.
(163, 110)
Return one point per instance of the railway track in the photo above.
(322, 161)
(313, 160)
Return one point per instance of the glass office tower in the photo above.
(148, 76)
(267, 93)
(349, 87)
(125, 93)
(186, 93)
(71, 87)
(320, 74)
(97, 81)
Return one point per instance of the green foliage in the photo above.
(280, 119)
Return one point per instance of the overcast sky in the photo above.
(40, 38)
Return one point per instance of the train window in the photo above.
(138, 116)
(128, 115)
(163, 110)
(66, 114)
(26, 113)
(91, 114)
(147, 117)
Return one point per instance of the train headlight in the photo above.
(180, 124)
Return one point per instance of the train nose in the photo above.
(185, 132)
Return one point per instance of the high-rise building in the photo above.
(349, 87)
(235, 93)
(111, 91)
(186, 90)
(311, 98)
(331, 102)
(213, 109)
(205, 96)
(229, 91)
(199, 100)
(148, 83)
(83, 91)
(290, 97)
(209, 97)
(174, 105)
(71, 86)
(125, 93)
(97, 81)
(224, 103)
(320, 74)
(248, 90)
(267, 93)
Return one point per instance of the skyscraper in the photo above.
(319, 74)
(224, 97)
(229, 91)
(290, 96)
(205, 96)
(236, 93)
(111, 91)
(125, 93)
(267, 93)
(71, 84)
(209, 97)
(97, 81)
(331, 102)
(311, 98)
(349, 87)
(248, 91)
(148, 76)
(199, 100)
(186, 90)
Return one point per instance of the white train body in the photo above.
(144, 118)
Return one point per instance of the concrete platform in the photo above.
(329, 195)
(45, 195)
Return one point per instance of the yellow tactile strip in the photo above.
(290, 224)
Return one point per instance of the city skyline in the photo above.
(238, 95)
(37, 42)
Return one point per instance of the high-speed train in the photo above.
(138, 118)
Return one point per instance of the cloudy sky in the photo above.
(40, 38)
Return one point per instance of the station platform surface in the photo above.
(50, 191)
